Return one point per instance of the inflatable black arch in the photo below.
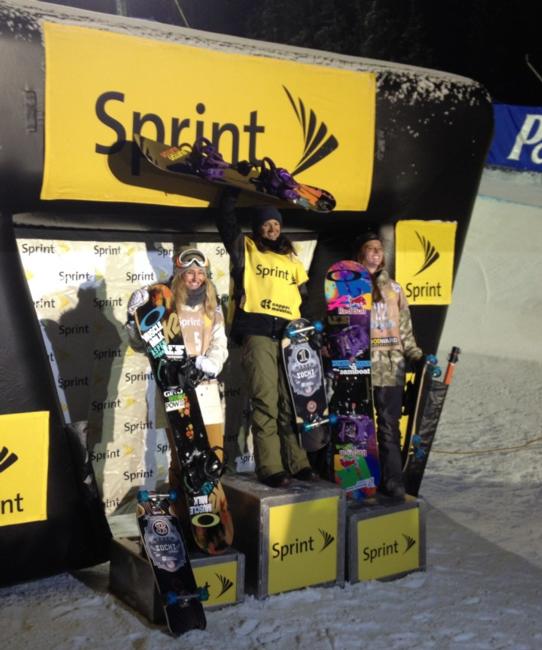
(433, 176)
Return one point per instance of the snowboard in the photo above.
(354, 453)
(165, 548)
(305, 376)
(204, 506)
(424, 419)
(203, 161)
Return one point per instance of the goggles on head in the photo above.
(189, 257)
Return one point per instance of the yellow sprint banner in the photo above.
(389, 544)
(424, 260)
(102, 87)
(302, 544)
(221, 579)
(24, 464)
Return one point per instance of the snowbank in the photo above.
(497, 301)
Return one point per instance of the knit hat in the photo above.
(261, 214)
(363, 238)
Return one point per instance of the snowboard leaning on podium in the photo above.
(204, 507)
(355, 465)
(424, 409)
(202, 160)
(165, 547)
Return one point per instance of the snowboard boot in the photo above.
(394, 490)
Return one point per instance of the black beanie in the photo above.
(261, 214)
(366, 236)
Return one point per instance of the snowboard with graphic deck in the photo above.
(305, 375)
(203, 161)
(204, 509)
(423, 420)
(165, 548)
(354, 454)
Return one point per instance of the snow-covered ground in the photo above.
(483, 583)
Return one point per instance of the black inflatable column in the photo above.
(26, 385)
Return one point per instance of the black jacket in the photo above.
(244, 323)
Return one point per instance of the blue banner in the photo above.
(517, 141)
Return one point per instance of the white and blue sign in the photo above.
(517, 141)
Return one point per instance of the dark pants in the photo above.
(388, 401)
(276, 445)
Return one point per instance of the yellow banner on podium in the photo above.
(303, 544)
(389, 545)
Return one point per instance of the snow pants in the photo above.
(276, 446)
(388, 401)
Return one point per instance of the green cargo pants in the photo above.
(276, 446)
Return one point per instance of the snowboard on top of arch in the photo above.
(202, 160)
(204, 510)
(354, 454)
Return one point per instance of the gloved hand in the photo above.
(137, 300)
(206, 366)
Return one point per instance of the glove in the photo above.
(206, 366)
(137, 300)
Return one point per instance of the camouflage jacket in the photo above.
(392, 338)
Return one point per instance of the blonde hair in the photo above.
(180, 294)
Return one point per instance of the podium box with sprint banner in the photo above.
(291, 538)
(132, 580)
(385, 539)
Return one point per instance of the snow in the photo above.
(482, 587)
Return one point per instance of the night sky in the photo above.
(490, 41)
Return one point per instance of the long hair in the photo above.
(283, 245)
(377, 293)
(180, 294)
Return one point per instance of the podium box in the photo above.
(292, 537)
(132, 580)
(385, 540)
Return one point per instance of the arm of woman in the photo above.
(229, 228)
(215, 356)
(411, 350)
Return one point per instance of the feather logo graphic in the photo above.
(327, 539)
(318, 142)
(431, 254)
(225, 584)
(7, 459)
(409, 541)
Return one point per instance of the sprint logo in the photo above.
(7, 459)
(431, 254)
(409, 543)
(318, 144)
(327, 539)
(225, 584)
(386, 549)
(302, 546)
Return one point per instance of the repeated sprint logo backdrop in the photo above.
(80, 291)
(101, 87)
(424, 260)
(24, 466)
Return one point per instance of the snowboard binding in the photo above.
(207, 160)
(203, 472)
(351, 341)
(276, 181)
